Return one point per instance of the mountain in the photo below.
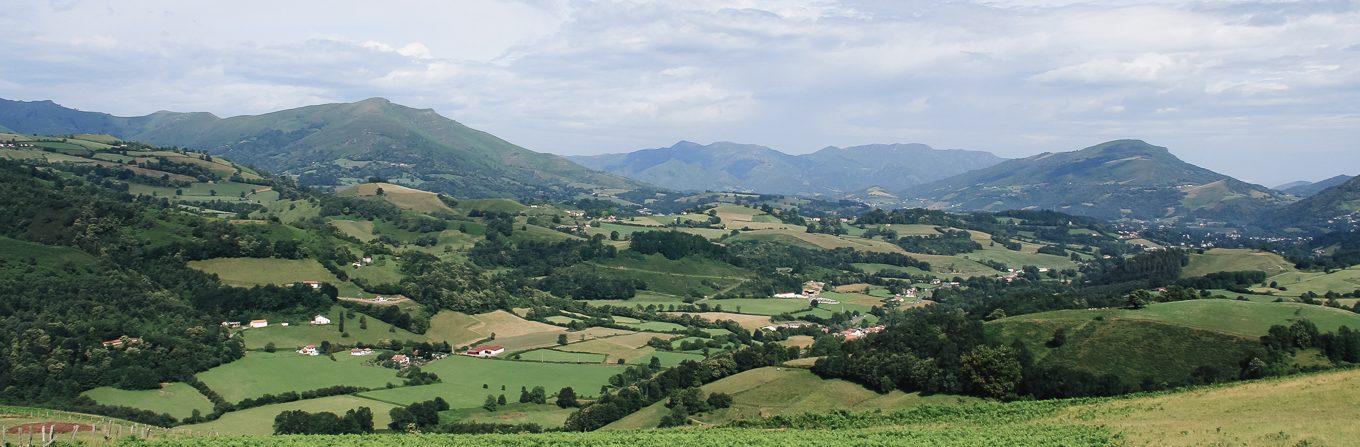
(1117, 179)
(1308, 189)
(830, 171)
(1332, 209)
(336, 144)
(1287, 186)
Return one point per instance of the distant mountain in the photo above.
(1333, 209)
(1308, 189)
(1123, 178)
(333, 144)
(832, 171)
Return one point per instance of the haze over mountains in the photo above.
(832, 171)
(333, 144)
(346, 143)
(1117, 179)
(1308, 189)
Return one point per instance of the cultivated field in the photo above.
(462, 377)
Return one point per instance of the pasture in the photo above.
(1297, 283)
(176, 399)
(772, 391)
(401, 196)
(260, 373)
(1235, 260)
(303, 333)
(247, 272)
(260, 420)
(462, 377)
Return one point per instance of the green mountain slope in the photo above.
(1308, 189)
(338, 144)
(1117, 179)
(1333, 209)
(834, 171)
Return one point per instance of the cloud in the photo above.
(1015, 76)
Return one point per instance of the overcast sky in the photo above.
(1265, 91)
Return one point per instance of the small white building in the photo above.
(259, 323)
(361, 351)
(401, 360)
(321, 319)
(308, 350)
(486, 351)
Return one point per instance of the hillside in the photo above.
(1165, 342)
(1117, 179)
(1333, 209)
(338, 144)
(832, 171)
(1308, 189)
(1312, 409)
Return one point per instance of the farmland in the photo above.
(260, 373)
(303, 333)
(462, 378)
(176, 399)
(246, 272)
(1235, 260)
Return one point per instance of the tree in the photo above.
(991, 371)
(539, 395)
(490, 403)
(269, 347)
(363, 322)
(566, 398)
(500, 400)
(561, 339)
(524, 396)
(341, 320)
(1139, 299)
(378, 191)
(719, 400)
(401, 419)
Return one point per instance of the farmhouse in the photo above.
(486, 351)
(812, 288)
(308, 350)
(321, 319)
(820, 300)
(401, 360)
(361, 351)
(259, 323)
(231, 324)
(122, 341)
(788, 295)
(315, 285)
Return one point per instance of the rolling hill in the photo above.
(1308, 189)
(340, 144)
(1333, 209)
(832, 171)
(1117, 179)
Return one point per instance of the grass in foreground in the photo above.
(175, 399)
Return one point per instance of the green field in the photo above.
(175, 399)
(303, 333)
(260, 373)
(1297, 283)
(260, 420)
(1165, 341)
(770, 391)
(1235, 260)
(760, 306)
(1239, 318)
(553, 355)
(546, 415)
(246, 272)
(462, 378)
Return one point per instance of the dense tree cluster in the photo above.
(298, 422)
(674, 245)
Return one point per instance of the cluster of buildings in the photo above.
(858, 333)
(795, 325)
(366, 260)
(122, 341)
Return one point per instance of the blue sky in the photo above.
(1265, 91)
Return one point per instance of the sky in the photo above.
(1267, 91)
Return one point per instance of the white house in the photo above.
(321, 319)
(486, 351)
(259, 323)
(308, 350)
(401, 360)
(361, 351)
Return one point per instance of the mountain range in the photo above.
(1308, 189)
(1112, 180)
(831, 171)
(1336, 208)
(335, 144)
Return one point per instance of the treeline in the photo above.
(674, 245)
(948, 242)
(298, 422)
(640, 388)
